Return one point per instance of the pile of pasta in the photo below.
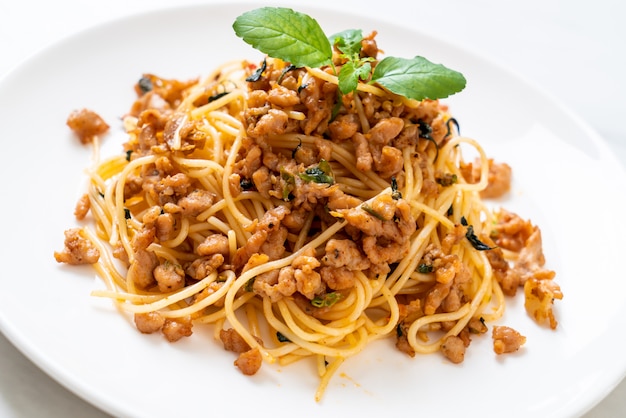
(301, 223)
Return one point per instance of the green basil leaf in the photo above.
(285, 34)
(350, 74)
(417, 78)
(348, 41)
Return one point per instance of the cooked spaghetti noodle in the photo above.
(300, 226)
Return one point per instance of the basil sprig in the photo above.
(297, 38)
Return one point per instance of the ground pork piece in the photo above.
(250, 162)
(233, 341)
(341, 200)
(506, 339)
(318, 97)
(499, 177)
(276, 284)
(499, 180)
(87, 124)
(344, 127)
(539, 298)
(82, 207)
(262, 181)
(511, 231)
(78, 249)
(164, 226)
(531, 260)
(274, 122)
(176, 328)
(409, 312)
(250, 361)
(214, 244)
(508, 278)
(170, 188)
(196, 202)
(344, 253)
(364, 159)
(203, 266)
(295, 219)
(338, 278)
(142, 267)
(388, 162)
(385, 130)
(308, 281)
(149, 322)
(282, 96)
(453, 348)
(369, 48)
(268, 238)
(387, 240)
(169, 276)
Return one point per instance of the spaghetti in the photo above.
(302, 223)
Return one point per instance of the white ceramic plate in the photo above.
(565, 179)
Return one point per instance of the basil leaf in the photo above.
(348, 42)
(350, 74)
(417, 78)
(285, 34)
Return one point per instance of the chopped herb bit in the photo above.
(327, 300)
(395, 193)
(296, 149)
(449, 131)
(425, 268)
(288, 68)
(320, 174)
(145, 85)
(367, 208)
(282, 338)
(447, 179)
(256, 75)
(217, 96)
(248, 286)
(399, 331)
(426, 130)
(290, 182)
(127, 214)
(246, 184)
(128, 154)
(473, 239)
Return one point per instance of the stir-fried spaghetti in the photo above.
(304, 224)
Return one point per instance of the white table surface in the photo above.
(573, 50)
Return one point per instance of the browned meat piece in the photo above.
(196, 202)
(283, 97)
(87, 124)
(344, 127)
(539, 298)
(233, 342)
(506, 339)
(499, 177)
(214, 244)
(149, 322)
(169, 277)
(175, 329)
(203, 266)
(453, 348)
(78, 249)
(82, 207)
(344, 253)
(249, 362)
(142, 267)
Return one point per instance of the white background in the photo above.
(573, 50)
